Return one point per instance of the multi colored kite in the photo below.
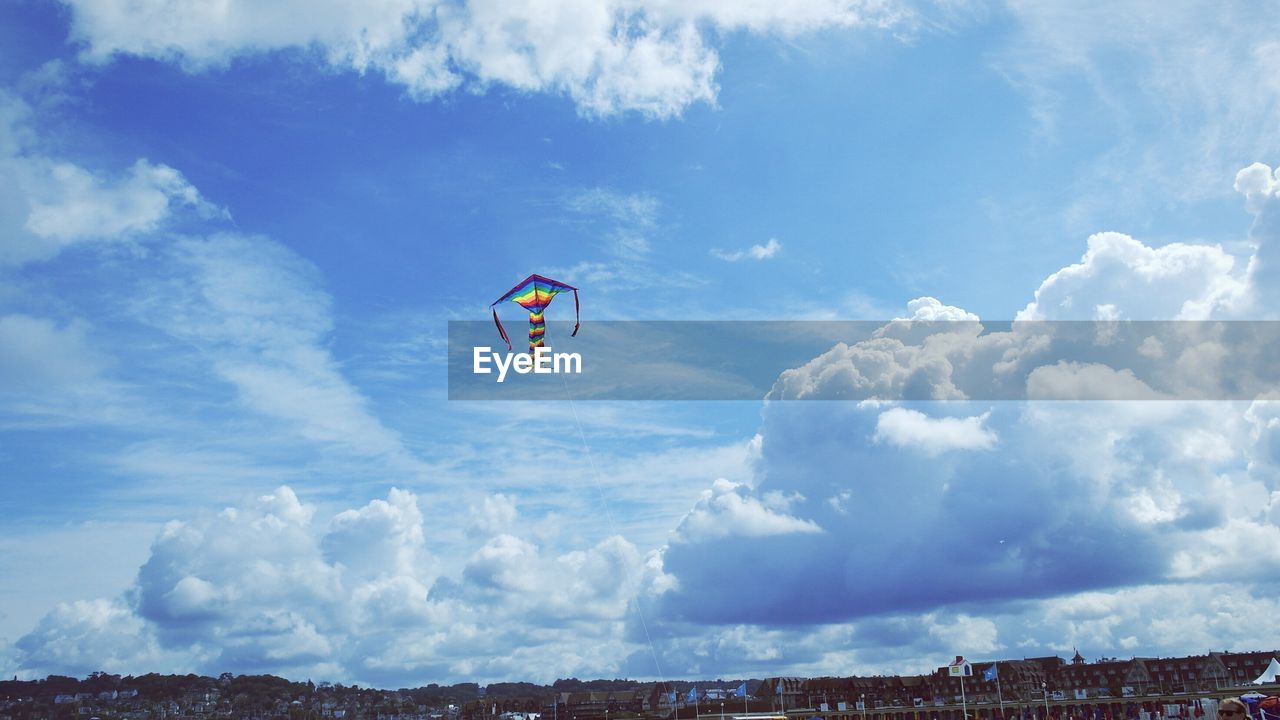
(534, 294)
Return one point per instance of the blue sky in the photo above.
(231, 241)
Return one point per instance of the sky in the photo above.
(233, 236)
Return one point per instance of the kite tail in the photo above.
(501, 331)
(576, 321)
(537, 330)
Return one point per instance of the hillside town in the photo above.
(1041, 688)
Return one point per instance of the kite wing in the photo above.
(534, 294)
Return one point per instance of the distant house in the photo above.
(1102, 678)
(1244, 667)
(787, 692)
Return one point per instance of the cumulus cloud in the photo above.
(725, 511)
(267, 585)
(1258, 184)
(755, 252)
(608, 57)
(979, 525)
(901, 360)
(1165, 618)
(492, 515)
(964, 631)
(1086, 381)
(1264, 266)
(86, 635)
(913, 429)
(1146, 342)
(1083, 499)
(1162, 620)
(382, 539)
(1121, 278)
(928, 309)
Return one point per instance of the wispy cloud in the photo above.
(632, 225)
(1184, 93)
(755, 252)
(254, 312)
(635, 210)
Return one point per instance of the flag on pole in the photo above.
(692, 696)
(741, 690)
(990, 673)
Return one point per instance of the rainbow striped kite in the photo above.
(534, 294)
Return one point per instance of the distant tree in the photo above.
(58, 684)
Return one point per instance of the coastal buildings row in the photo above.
(1041, 688)
(1041, 681)
(1033, 678)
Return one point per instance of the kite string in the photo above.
(613, 528)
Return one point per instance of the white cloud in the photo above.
(29, 553)
(903, 427)
(255, 312)
(1165, 618)
(927, 309)
(1111, 495)
(901, 360)
(264, 584)
(82, 636)
(1087, 381)
(1257, 183)
(1239, 547)
(978, 635)
(493, 515)
(725, 511)
(72, 204)
(48, 204)
(609, 56)
(1137, 282)
(382, 539)
(1263, 272)
(755, 252)
(942, 352)
(1159, 620)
